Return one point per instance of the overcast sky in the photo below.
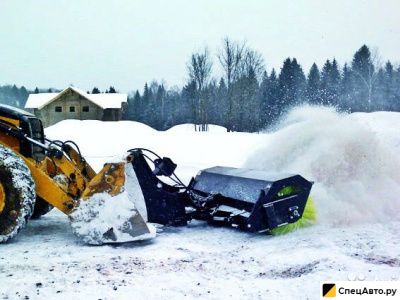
(54, 43)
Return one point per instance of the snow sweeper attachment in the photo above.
(250, 200)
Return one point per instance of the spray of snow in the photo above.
(101, 212)
(355, 170)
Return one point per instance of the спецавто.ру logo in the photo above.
(329, 290)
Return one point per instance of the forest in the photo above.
(247, 97)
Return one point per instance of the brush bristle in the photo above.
(309, 218)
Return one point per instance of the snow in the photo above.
(109, 100)
(189, 128)
(21, 178)
(100, 141)
(353, 160)
(97, 215)
(39, 100)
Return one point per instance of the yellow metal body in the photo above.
(111, 180)
(2, 197)
(11, 142)
(62, 182)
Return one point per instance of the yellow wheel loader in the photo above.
(37, 174)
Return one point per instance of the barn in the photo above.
(73, 103)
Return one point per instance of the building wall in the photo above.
(112, 114)
(50, 116)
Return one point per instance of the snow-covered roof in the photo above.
(110, 100)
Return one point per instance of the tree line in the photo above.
(13, 95)
(246, 97)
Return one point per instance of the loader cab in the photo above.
(29, 124)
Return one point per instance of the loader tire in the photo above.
(17, 194)
(41, 208)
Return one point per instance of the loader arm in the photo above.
(62, 175)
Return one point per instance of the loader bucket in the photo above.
(107, 212)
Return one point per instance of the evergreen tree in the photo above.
(14, 96)
(313, 90)
(246, 103)
(23, 94)
(346, 90)
(189, 93)
(146, 98)
(95, 90)
(330, 83)
(363, 72)
(14, 93)
(396, 105)
(273, 98)
(380, 94)
(133, 111)
(151, 113)
(292, 84)
(269, 93)
(222, 94)
(160, 99)
(389, 91)
(263, 95)
(334, 86)
(137, 107)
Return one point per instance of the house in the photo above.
(73, 103)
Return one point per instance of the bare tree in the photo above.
(253, 62)
(199, 69)
(238, 61)
(231, 58)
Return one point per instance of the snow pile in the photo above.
(69, 127)
(355, 169)
(106, 219)
(100, 142)
(190, 128)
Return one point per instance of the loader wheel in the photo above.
(41, 208)
(17, 194)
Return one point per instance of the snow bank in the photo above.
(190, 128)
(101, 142)
(68, 127)
(351, 157)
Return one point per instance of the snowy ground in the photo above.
(353, 160)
